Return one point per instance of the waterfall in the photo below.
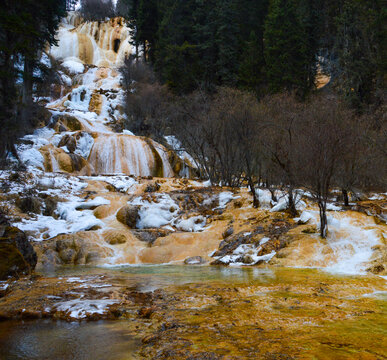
(126, 154)
(90, 53)
(94, 43)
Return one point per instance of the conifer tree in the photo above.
(251, 76)
(147, 27)
(26, 27)
(361, 47)
(286, 48)
(227, 36)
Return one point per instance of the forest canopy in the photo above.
(264, 46)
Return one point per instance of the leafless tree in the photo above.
(147, 102)
(323, 141)
(279, 137)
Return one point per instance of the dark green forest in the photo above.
(27, 27)
(264, 46)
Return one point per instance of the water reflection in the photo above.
(46, 339)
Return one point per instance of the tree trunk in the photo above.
(323, 219)
(27, 82)
(345, 197)
(255, 198)
(292, 205)
(27, 92)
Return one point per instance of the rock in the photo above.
(95, 104)
(129, 215)
(78, 162)
(146, 312)
(72, 249)
(228, 232)
(92, 257)
(102, 211)
(17, 256)
(377, 269)
(65, 121)
(247, 259)
(194, 260)
(68, 256)
(114, 237)
(150, 235)
(29, 204)
(61, 128)
(111, 188)
(68, 141)
(309, 229)
(152, 187)
(65, 162)
(50, 207)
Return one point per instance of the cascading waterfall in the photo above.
(90, 53)
(348, 248)
(94, 43)
(126, 154)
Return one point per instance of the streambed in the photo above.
(210, 313)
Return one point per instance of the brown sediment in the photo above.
(268, 314)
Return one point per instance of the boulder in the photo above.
(78, 162)
(114, 237)
(68, 141)
(65, 121)
(228, 232)
(152, 187)
(95, 104)
(17, 256)
(129, 215)
(102, 211)
(309, 229)
(150, 235)
(65, 162)
(70, 249)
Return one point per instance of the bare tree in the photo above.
(323, 141)
(147, 102)
(280, 134)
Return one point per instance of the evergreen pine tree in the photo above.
(26, 27)
(286, 48)
(227, 41)
(251, 76)
(360, 44)
(147, 27)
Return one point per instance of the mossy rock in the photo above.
(12, 262)
(17, 256)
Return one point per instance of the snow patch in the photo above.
(80, 309)
(73, 66)
(84, 144)
(192, 224)
(156, 214)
